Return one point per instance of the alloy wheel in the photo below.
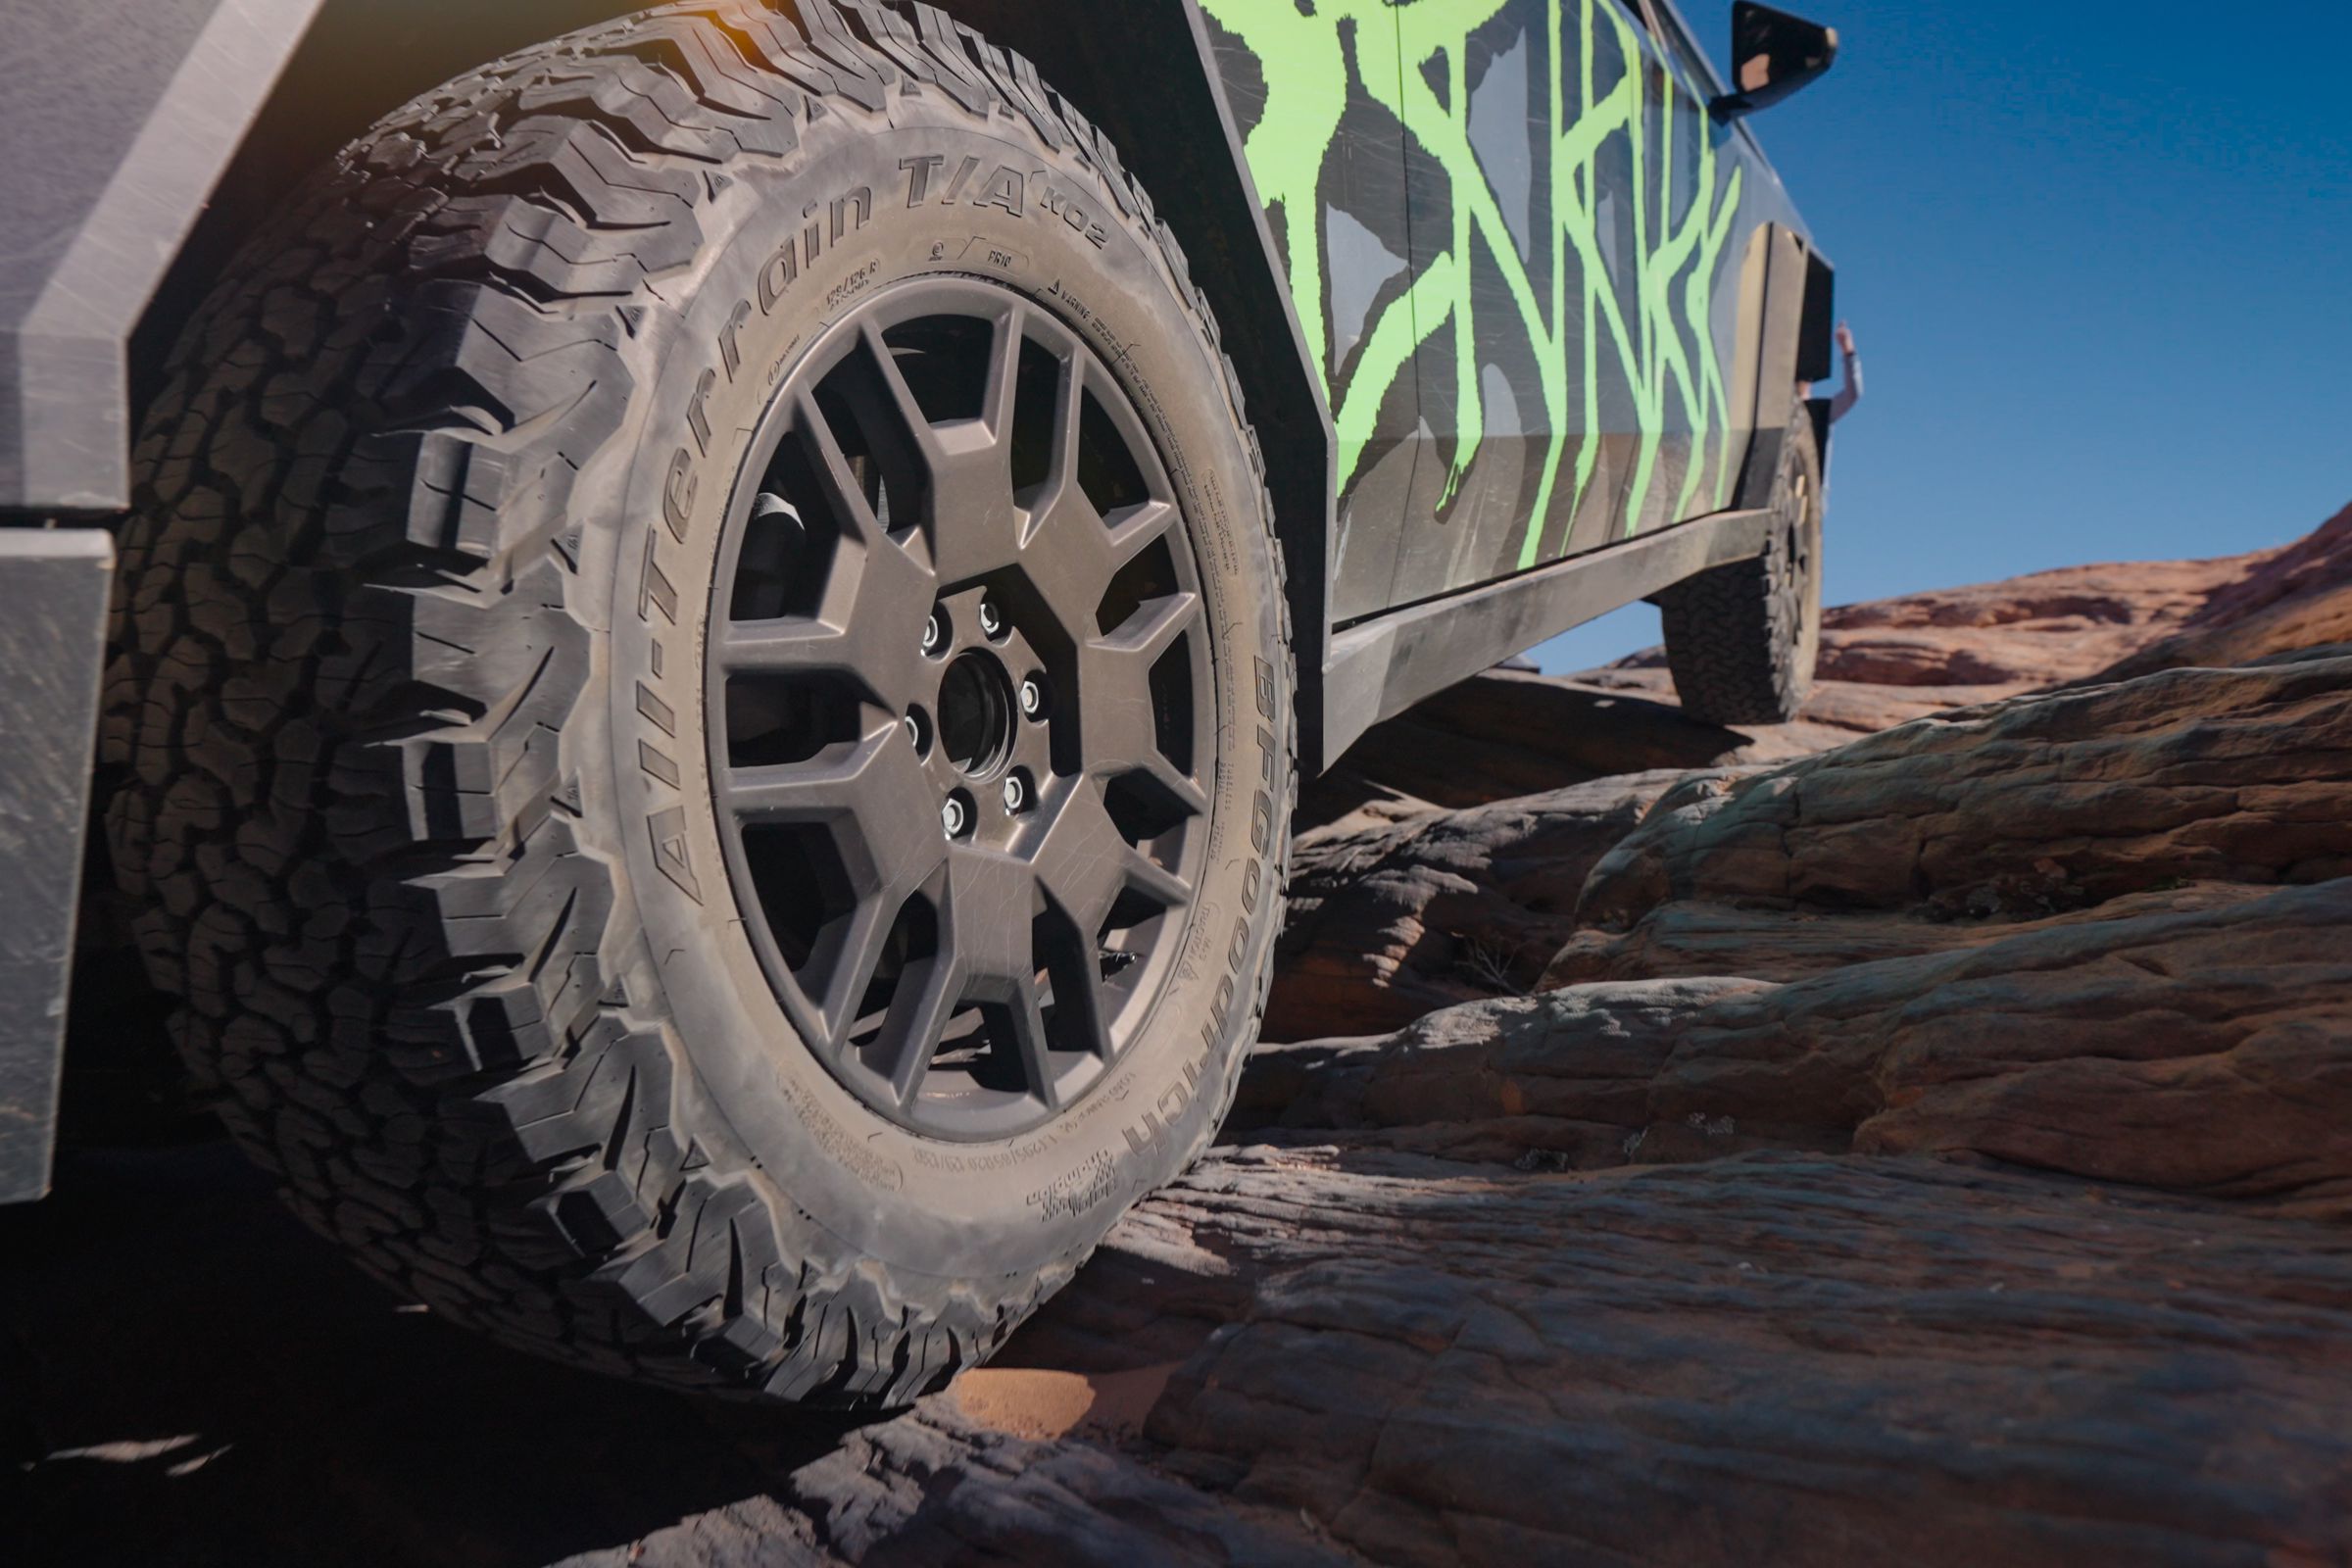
(960, 707)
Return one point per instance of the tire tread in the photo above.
(1732, 638)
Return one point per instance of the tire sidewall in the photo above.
(923, 1206)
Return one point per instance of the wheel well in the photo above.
(1784, 332)
(356, 62)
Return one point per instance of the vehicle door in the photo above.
(1718, 172)
(1570, 219)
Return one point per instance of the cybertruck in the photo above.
(714, 621)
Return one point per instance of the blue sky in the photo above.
(2100, 257)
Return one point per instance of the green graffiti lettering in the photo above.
(1664, 346)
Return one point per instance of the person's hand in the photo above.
(1845, 338)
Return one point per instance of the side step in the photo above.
(1380, 668)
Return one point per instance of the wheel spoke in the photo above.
(1084, 862)
(987, 925)
(821, 789)
(1072, 553)
(875, 642)
(883, 814)
(1152, 629)
(1002, 376)
(899, 842)
(833, 469)
(1083, 865)
(874, 785)
(869, 624)
(1133, 527)
(792, 644)
(1069, 402)
(926, 998)
(1182, 791)
(854, 965)
(901, 396)
(1122, 730)
(1079, 1002)
(1067, 554)
(1071, 557)
(1154, 881)
(970, 460)
(989, 900)
(1069, 549)
(1036, 1050)
(1081, 860)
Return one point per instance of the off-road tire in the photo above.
(1741, 639)
(407, 716)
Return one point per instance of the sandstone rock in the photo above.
(1392, 918)
(2020, 633)
(1800, 1358)
(2040, 804)
(938, 1487)
(2207, 1052)
(1682, 1260)
(1806, 1360)
(2296, 598)
(1767, 942)
(1785, 1357)
(2164, 793)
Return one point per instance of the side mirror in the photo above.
(1772, 54)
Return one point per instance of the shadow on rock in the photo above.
(191, 1378)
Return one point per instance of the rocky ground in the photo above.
(1918, 1132)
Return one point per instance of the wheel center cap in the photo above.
(976, 713)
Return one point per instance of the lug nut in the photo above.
(1033, 699)
(1016, 794)
(992, 619)
(950, 816)
(935, 634)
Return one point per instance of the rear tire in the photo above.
(510, 555)
(1741, 639)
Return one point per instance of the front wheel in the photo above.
(705, 701)
(1741, 639)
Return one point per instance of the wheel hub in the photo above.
(975, 715)
(961, 707)
(994, 734)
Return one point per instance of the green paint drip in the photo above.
(1304, 62)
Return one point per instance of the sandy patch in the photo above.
(1042, 1406)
